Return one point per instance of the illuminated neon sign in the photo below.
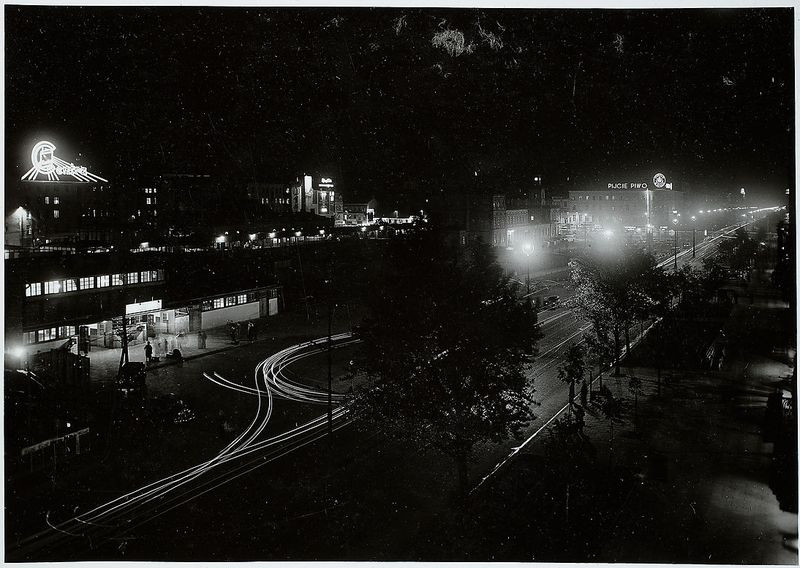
(48, 167)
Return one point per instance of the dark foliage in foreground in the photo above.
(445, 347)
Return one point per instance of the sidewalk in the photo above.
(104, 363)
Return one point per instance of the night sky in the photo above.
(406, 101)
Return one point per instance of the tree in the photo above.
(635, 388)
(612, 409)
(445, 348)
(572, 370)
(612, 291)
(739, 251)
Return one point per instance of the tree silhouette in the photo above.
(572, 370)
(445, 348)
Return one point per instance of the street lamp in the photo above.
(527, 248)
(694, 228)
(675, 261)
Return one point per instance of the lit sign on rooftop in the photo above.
(49, 167)
(659, 181)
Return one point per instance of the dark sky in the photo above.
(393, 101)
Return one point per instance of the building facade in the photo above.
(640, 206)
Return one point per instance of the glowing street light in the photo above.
(527, 248)
(675, 248)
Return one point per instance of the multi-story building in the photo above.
(316, 195)
(500, 220)
(60, 204)
(630, 205)
(358, 213)
(52, 297)
(269, 199)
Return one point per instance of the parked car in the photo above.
(132, 377)
(551, 302)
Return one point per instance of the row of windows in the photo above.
(630, 196)
(227, 301)
(150, 190)
(47, 200)
(49, 334)
(90, 282)
(238, 299)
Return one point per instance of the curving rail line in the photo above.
(242, 455)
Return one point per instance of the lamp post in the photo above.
(675, 246)
(694, 229)
(527, 248)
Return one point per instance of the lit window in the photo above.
(242, 298)
(47, 200)
(66, 330)
(230, 301)
(219, 302)
(34, 289)
(103, 281)
(70, 285)
(116, 279)
(56, 214)
(48, 334)
(30, 337)
(154, 201)
(148, 201)
(154, 190)
(145, 276)
(87, 282)
(55, 200)
(133, 277)
(52, 287)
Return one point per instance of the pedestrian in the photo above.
(250, 327)
(579, 414)
(199, 339)
(148, 352)
(204, 336)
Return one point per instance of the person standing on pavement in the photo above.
(148, 352)
(250, 334)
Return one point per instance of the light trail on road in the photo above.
(241, 455)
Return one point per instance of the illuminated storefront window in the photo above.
(87, 282)
(34, 289)
(103, 281)
(133, 277)
(70, 285)
(52, 287)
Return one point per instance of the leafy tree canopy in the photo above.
(445, 348)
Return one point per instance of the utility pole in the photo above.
(694, 229)
(124, 355)
(675, 248)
